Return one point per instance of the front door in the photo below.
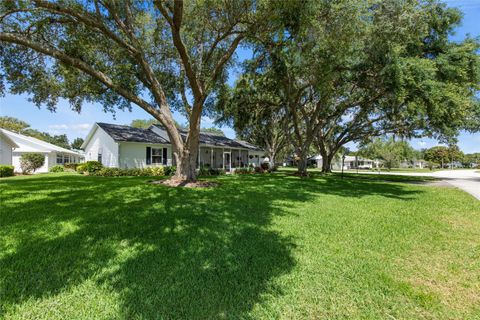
(227, 163)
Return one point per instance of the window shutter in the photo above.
(149, 155)
(164, 158)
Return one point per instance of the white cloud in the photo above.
(78, 127)
(422, 143)
(58, 127)
(81, 126)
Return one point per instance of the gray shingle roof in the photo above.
(130, 134)
(213, 139)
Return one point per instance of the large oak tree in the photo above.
(349, 71)
(158, 55)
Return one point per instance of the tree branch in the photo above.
(226, 57)
(175, 23)
(83, 18)
(81, 65)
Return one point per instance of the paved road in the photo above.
(467, 180)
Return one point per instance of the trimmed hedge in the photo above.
(206, 171)
(243, 170)
(134, 172)
(6, 171)
(89, 167)
(71, 166)
(169, 170)
(260, 169)
(57, 168)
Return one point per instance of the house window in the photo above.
(59, 159)
(99, 157)
(66, 159)
(157, 156)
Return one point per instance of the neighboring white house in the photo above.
(413, 164)
(53, 154)
(351, 162)
(6, 147)
(127, 147)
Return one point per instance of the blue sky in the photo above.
(66, 121)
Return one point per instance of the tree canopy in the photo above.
(322, 73)
(22, 127)
(158, 55)
(77, 143)
(350, 71)
(390, 151)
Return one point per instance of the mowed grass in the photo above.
(257, 247)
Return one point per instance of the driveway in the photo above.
(467, 180)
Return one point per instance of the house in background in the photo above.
(53, 154)
(7, 146)
(414, 164)
(350, 162)
(122, 146)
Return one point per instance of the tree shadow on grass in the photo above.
(166, 252)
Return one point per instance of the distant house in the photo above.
(53, 154)
(122, 146)
(350, 162)
(7, 146)
(413, 164)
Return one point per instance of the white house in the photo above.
(53, 154)
(6, 147)
(122, 146)
(413, 164)
(351, 162)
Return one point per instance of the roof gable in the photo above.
(30, 144)
(6, 138)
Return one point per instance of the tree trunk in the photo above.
(186, 154)
(302, 165)
(186, 165)
(271, 157)
(327, 164)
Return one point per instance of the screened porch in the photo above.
(223, 158)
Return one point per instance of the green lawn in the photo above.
(263, 247)
(393, 170)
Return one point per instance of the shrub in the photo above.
(244, 170)
(203, 171)
(57, 168)
(207, 171)
(217, 172)
(31, 161)
(6, 171)
(157, 171)
(265, 166)
(90, 166)
(169, 170)
(80, 168)
(273, 169)
(259, 170)
(134, 172)
(109, 172)
(71, 166)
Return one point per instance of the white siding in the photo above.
(102, 143)
(133, 154)
(5, 151)
(258, 158)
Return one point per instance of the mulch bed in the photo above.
(186, 184)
